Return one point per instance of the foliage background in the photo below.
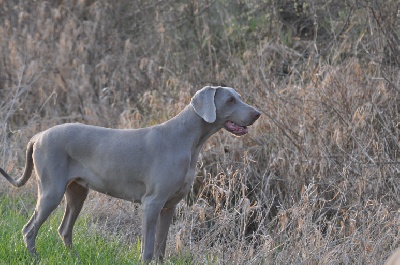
(317, 179)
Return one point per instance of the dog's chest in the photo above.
(184, 184)
(181, 192)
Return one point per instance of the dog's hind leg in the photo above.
(75, 196)
(51, 182)
(48, 200)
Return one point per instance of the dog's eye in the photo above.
(231, 100)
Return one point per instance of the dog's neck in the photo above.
(191, 125)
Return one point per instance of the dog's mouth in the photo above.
(236, 129)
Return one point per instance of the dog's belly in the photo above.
(132, 193)
(112, 182)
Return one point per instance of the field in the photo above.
(316, 180)
(93, 247)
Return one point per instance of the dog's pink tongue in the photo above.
(236, 129)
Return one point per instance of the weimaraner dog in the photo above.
(154, 166)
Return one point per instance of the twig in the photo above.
(345, 25)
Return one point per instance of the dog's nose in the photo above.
(256, 115)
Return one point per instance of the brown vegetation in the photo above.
(317, 179)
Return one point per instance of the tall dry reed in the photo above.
(317, 179)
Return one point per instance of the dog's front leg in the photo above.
(151, 212)
(162, 231)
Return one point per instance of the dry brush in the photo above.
(315, 182)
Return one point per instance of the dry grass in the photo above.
(317, 179)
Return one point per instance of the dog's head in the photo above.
(223, 105)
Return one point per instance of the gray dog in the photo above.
(154, 166)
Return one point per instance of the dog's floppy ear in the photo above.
(203, 103)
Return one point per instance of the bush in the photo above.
(315, 181)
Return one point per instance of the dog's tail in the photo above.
(28, 168)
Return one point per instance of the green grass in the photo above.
(89, 247)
